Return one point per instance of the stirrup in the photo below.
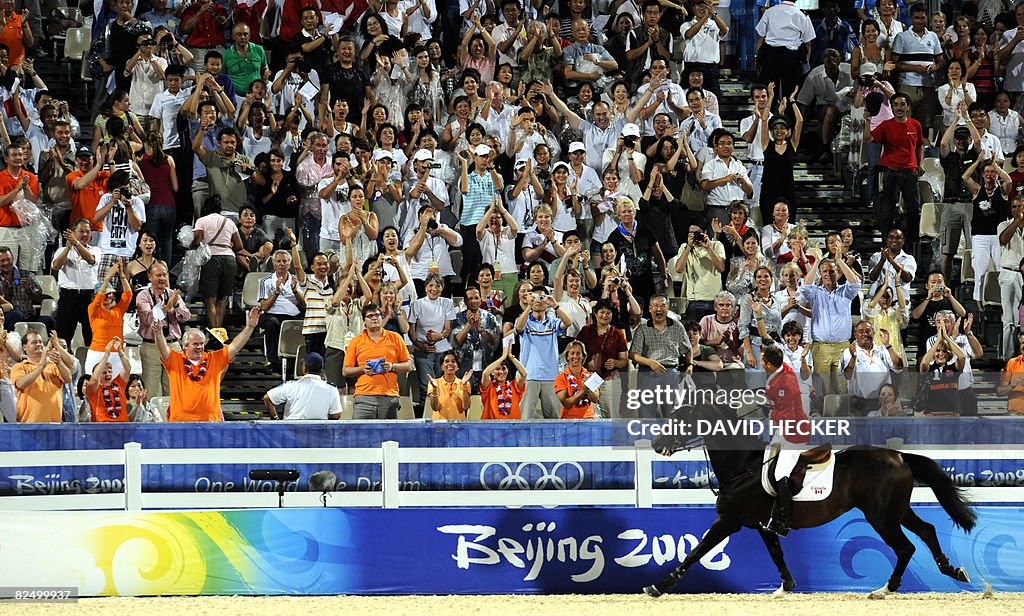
(776, 526)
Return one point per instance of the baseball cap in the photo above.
(577, 146)
(630, 130)
(422, 155)
(382, 154)
(482, 150)
(560, 163)
(962, 132)
(313, 363)
(778, 120)
(83, 151)
(868, 68)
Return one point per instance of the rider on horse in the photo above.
(791, 429)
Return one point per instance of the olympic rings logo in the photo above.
(514, 480)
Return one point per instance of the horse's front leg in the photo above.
(771, 541)
(719, 530)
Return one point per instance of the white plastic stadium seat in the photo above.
(49, 286)
(966, 267)
(25, 326)
(251, 289)
(299, 356)
(930, 216)
(48, 307)
(162, 403)
(76, 45)
(288, 343)
(990, 295)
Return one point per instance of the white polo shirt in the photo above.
(308, 398)
(873, 369)
(1010, 254)
(786, 26)
(754, 151)
(723, 195)
(704, 46)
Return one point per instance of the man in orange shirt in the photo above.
(375, 357)
(86, 186)
(1012, 383)
(16, 183)
(39, 380)
(106, 392)
(499, 395)
(194, 374)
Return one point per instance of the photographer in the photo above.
(147, 75)
(628, 160)
(334, 201)
(701, 261)
(288, 81)
(170, 48)
(428, 249)
(423, 188)
(122, 215)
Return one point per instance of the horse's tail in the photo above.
(950, 496)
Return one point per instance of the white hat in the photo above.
(630, 130)
(577, 146)
(422, 155)
(868, 68)
(521, 163)
(560, 163)
(482, 150)
(379, 154)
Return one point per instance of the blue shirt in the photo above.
(539, 342)
(830, 312)
(478, 199)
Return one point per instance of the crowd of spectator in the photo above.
(495, 198)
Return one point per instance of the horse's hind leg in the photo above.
(891, 532)
(771, 541)
(719, 530)
(926, 532)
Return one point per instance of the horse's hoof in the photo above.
(781, 591)
(652, 591)
(961, 576)
(789, 585)
(881, 593)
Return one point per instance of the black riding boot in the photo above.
(784, 504)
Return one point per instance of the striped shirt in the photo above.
(317, 295)
(478, 199)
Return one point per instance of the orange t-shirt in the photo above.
(362, 349)
(1014, 370)
(107, 323)
(112, 410)
(505, 406)
(85, 202)
(583, 409)
(8, 217)
(196, 400)
(449, 399)
(40, 401)
(12, 36)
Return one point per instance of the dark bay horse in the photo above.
(877, 481)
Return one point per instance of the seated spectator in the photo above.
(19, 291)
(721, 332)
(637, 246)
(374, 358)
(39, 380)
(140, 409)
(889, 404)
(797, 355)
(571, 385)
(942, 365)
(1011, 383)
(701, 261)
(107, 391)
(829, 88)
(280, 300)
(195, 375)
(867, 366)
(539, 329)
(254, 255)
(106, 318)
(476, 336)
(703, 359)
(760, 323)
(448, 394)
(499, 395)
(309, 397)
(660, 348)
(1004, 123)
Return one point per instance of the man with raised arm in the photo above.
(831, 323)
(195, 375)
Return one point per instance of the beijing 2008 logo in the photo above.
(500, 476)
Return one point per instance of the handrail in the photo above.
(391, 457)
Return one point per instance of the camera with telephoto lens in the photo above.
(431, 224)
(302, 65)
(126, 192)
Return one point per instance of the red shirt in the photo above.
(208, 32)
(9, 217)
(783, 392)
(900, 141)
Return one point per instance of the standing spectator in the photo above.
(39, 380)
(760, 324)
(991, 206)
(892, 263)
(217, 276)
(147, 78)
(1011, 383)
(244, 61)
(165, 113)
(56, 161)
(1004, 123)
(161, 174)
(428, 249)
(16, 183)
(752, 131)
(638, 248)
(16, 33)
(701, 124)
(500, 396)
(224, 167)
(867, 367)
(195, 375)
(701, 261)
(649, 41)
(217, 113)
(704, 35)
(346, 78)
(122, 215)
(833, 33)
(497, 246)
(956, 90)
(830, 305)
(660, 346)
(1011, 253)
(942, 365)
(823, 89)
(277, 194)
(430, 320)
(77, 267)
(888, 315)
(606, 354)
(982, 62)
(106, 316)
(958, 152)
(107, 388)
(19, 291)
(902, 143)
(203, 24)
(539, 330)
(600, 135)
(723, 177)
(628, 160)
(584, 61)
(575, 395)
(1011, 54)
(159, 303)
(779, 157)
(280, 300)
(918, 54)
(478, 189)
(784, 35)
(476, 334)
(309, 398)
(448, 394)
(374, 358)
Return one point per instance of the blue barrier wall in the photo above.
(473, 551)
(942, 433)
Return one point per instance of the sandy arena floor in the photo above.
(930, 604)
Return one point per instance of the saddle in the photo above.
(816, 459)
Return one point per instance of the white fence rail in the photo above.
(391, 457)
